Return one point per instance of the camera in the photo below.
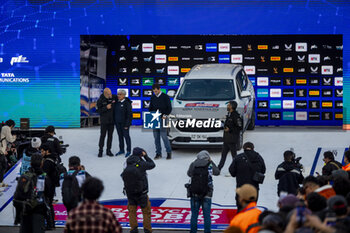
(296, 161)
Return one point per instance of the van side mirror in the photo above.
(245, 94)
(171, 93)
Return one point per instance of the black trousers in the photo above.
(3, 166)
(123, 133)
(104, 129)
(225, 149)
(33, 223)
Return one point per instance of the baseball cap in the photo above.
(50, 129)
(247, 192)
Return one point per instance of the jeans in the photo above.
(196, 203)
(161, 133)
(123, 133)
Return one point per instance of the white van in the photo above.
(200, 104)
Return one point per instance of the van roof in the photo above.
(204, 71)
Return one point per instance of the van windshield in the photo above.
(207, 89)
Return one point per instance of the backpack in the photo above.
(199, 181)
(26, 197)
(59, 169)
(71, 193)
(133, 179)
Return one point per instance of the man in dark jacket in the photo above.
(331, 164)
(105, 105)
(161, 102)
(289, 175)
(140, 161)
(50, 138)
(244, 166)
(204, 201)
(122, 120)
(232, 127)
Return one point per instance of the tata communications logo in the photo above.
(19, 59)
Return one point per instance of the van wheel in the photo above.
(240, 141)
(251, 125)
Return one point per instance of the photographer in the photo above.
(5, 138)
(201, 188)
(50, 138)
(330, 164)
(136, 188)
(289, 174)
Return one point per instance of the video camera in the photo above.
(296, 160)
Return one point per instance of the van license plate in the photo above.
(198, 137)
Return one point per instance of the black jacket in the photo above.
(106, 115)
(123, 112)
(289, 176)
(49, 167)
(146, 163)
(234, 123)
(331, 166)
(241, 169)
(54, 143)
(161, 103)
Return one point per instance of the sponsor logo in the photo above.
(275, 81)
(288, 92)
(249, 69)
(275, 70)
(237, 58)
(160, 71)
(339, 47)
(301, 58)
(236, 47)
(211, 47)
(185, 70)
(173, 70)
(134, 70)
(247, 58)
(301, 92)
(314, 81)
(135, 81)
(288, 70)
(262, 104)
(201, 105)
(288, 116)
(122, 81)
(327, 58)
(262, 115)
(136, 115)
(338, 116)
(314, 104)
(325, 46)
(7, 75)
(339, 70)
(314, 93)
(338, 104)
(275, 115)
(276, 47)
(123, 70)
(224, 58)
(327, 116)
(198, 59)
(249, 47)
(1, 60)
(160, 58)
(327, 81)
(288, 58)
(327, 70)
(262, 93)
(135, 59)
(275, 58)
(19, 59)
(173, 81)
(300, 81)
(160, 47)
(301, 47)
(288, 81)
(135, 48)
(135, 93)
(301, 104)
(275, 104)
(301, 70)
(301, 116)
(263, 47)
(327, 93)
(174, 58)
(147, 59)
(275, 92)
(314, 116)
(147, 81)
(288, 104)
(173, 47)
(314, 58)
(198, 47)
(185, 47)
(314, 70)
(212, 58)
(136, 104)
(262, 59)
(147, 70)
(147, 92)
(252, 79)
(161, 81)
(313, 47)
(263, 81)
(146, 103)
(122, 59)
(224, 47)
(147, 47)
(152, 120)
(186, 58)
(338, 93)
(288, 47)
(262, 70)
(122, 48)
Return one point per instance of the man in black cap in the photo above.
(232, 127)
(52, 140)
(136, 188)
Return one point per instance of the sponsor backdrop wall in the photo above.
(42, 39)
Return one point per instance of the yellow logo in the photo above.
(262, 47)
(173, 58)
(314, 93)
(288, 70)
(160, 47)
(185, 70)
(327, 104)
(275, 58)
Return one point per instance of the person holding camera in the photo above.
(105, 107)
(201, 188)
(136, 188)
(248, 168)
(49, 137)
(289, 174)
(5, 138)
